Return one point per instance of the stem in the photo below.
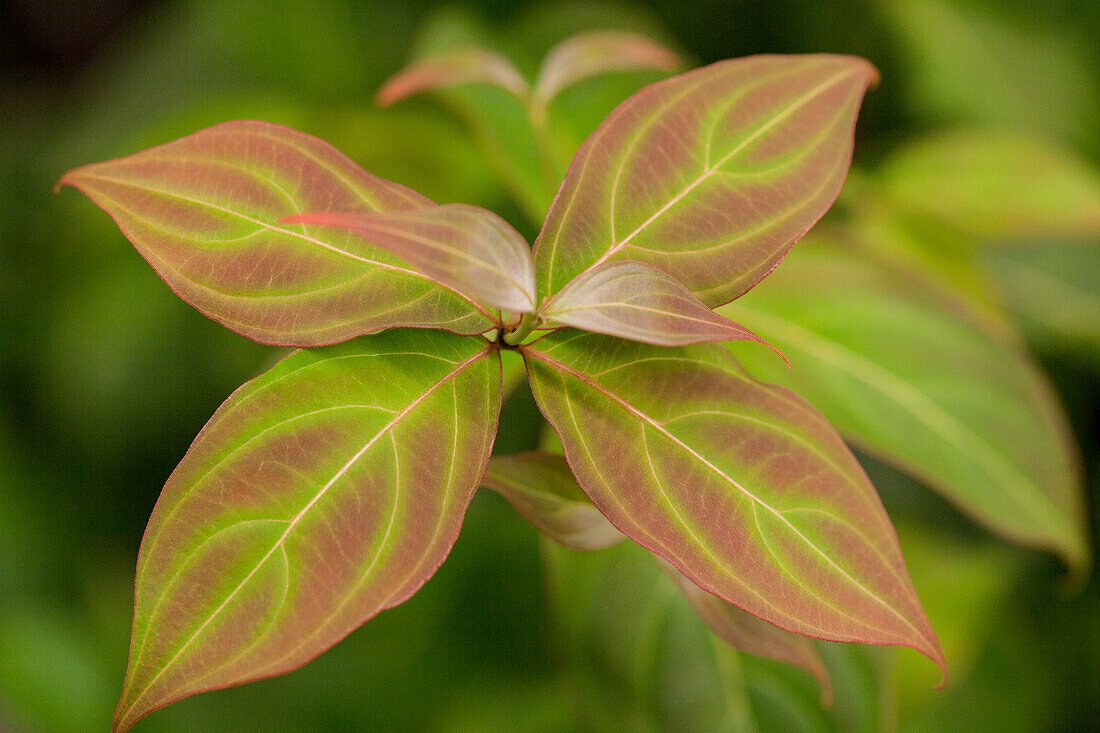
(526, 325)
(544, 145)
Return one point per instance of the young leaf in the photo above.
(747, 633)
(601, 52)
(540, 487)
(320, 493)
(908, 374)
(639, 302)
(203, 211)
(710, 176)
(742, 486)
(462, 66)
(466, 248)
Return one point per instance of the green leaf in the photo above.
(742, 486)
(747, 633)
(540, 487)
(639, 302)
(1055, 290)
(203, 211)
(996, 63)
(465, 248)
(710, 176)
(908, 373)
(600, 52)
(996, 185)
(460, 66)
(637, 657)
(320, 493)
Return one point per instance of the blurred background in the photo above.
(105, 377)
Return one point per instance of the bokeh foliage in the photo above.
(106, 376)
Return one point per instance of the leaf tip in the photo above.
(781, 354)
(125, 715)
(869, 71)
(68, 179)
(825, 683)
(389, 93)
(1078, 562)
(934, 651)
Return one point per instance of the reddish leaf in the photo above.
(466, 248)
(540, 487)
(639, 302)
(322, 492)
(740, 485)
(747, 633)
(463, 66)
(601, 52)
(203, 211)
(710, 176)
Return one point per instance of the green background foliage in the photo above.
(105, 376)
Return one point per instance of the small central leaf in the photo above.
(639, 302)
(465, 248)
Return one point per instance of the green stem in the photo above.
(544, 144)
(526, 326)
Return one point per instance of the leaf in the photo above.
(909, 374)
(747, 633)
(1055, 290)
(637, 658)
(865, 694)
(590, 54)
(460, 66)
(465, 248)
(540, 487)
(710, 176)
(995, 64)
(742, 486)
(320, 493)
(996, 185)
(203, 211)
(639, 302)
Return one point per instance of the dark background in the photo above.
(105, 377)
